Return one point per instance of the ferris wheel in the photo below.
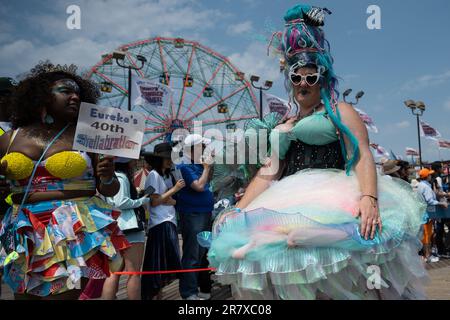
(205, 86)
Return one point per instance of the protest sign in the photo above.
(110, 131)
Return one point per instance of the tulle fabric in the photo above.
(300, 239)
(52, 244)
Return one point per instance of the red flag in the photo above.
(411, 152)
(368, 121)
(379, 149)
(428, 131)
(444, 144)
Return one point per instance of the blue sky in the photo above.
(407, 59)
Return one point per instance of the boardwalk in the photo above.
(437, 289)
(171, 292)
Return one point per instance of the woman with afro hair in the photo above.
(58, 234)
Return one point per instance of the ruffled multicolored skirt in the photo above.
(50, 245)
(300, 239)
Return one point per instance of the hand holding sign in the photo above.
(105, 168)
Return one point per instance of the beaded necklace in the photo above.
(299, 117)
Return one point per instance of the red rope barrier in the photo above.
(162, 271)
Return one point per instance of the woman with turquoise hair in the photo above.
(316, 221)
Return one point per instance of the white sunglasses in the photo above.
(310, 79)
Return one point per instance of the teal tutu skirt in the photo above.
(300, 239)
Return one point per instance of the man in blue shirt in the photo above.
(425, 190)
(195, 204)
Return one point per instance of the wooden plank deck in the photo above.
(171, 292)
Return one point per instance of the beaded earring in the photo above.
(46, 118)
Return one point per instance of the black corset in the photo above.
(301, 156)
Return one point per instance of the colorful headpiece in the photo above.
(303, 43)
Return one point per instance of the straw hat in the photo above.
(194, 139)
(390, 166)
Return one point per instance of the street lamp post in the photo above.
(417, 109)
(120, 56)
(267, 85)
(358, 96)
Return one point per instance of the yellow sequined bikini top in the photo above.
(66, 170)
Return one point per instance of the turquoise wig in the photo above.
(303, 44)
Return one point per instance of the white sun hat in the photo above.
(194, 139)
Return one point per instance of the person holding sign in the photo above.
(58, 233)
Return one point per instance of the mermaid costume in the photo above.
(300, 238)
(50, 245)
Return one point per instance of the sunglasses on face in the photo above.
(310, 79)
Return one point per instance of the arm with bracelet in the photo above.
(365, 172)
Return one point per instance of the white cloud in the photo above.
(426, 81)
(104, 26)
(240, 28)
(403, 124)
(14, 57)
(130, 20)
(81, 51)
(254, 60)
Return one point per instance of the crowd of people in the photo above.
(308, 228)
(431, 183)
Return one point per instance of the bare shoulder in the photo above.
(346, 108)
(352, 119)
(348, 113)
(4, 141)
